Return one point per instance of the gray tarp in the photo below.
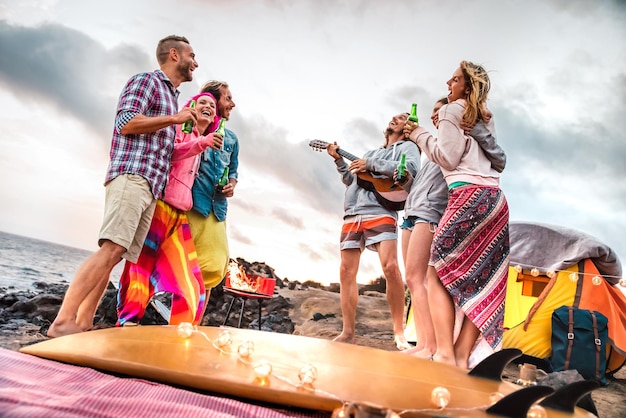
(550, 247)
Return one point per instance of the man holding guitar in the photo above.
(371, 223)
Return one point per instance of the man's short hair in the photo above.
(213, 87)
(167, 43)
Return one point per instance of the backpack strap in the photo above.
(570, 337)
(598, 343)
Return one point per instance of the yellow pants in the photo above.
(209, 237)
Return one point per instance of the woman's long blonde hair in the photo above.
(478, 84)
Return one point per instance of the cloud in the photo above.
(285, 216)
(67, 69)
(237, 235)
(312, 176)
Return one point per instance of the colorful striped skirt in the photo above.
(168, 263)
(470, 252)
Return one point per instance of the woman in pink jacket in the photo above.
(168, 260)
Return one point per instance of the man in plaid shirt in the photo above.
(142, 144)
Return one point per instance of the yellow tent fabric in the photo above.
(534, 338)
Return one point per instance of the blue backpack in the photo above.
(579, 342)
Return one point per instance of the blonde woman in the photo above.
(470, 249)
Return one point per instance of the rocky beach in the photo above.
(308, 309)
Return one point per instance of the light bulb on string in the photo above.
(534, 272)
(573, 277)
(551, 274)
(262, 369)
(224, 338)
(440, 396)
(185, 329)
(341, 412)
(622, 282)
(596, 280)
(537, 411)
(518, 268)
(307, 375)
(246, 348)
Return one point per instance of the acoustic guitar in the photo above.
(389, 194)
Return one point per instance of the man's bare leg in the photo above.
(349, 293)
(89, 277)
(87, 309)
(388, 254)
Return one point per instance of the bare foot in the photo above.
(59, 330)
(421, 352)
(413, 349)
(345, 338)
(401, 342)
(461, 364)
(444, 359)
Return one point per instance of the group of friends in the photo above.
(455, 232)
(165, 213)
(165, 207)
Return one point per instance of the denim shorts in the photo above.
(410, 221)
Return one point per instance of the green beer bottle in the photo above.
(413, 114)
(188, 126)
(401, 176)
(223, 180)
(221, 127)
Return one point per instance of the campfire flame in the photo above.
(240, 280)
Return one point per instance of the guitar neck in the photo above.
(347, 155)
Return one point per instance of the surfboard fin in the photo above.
(517, 404)
(567, 397)
(492, 367)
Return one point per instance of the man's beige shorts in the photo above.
(128, 209)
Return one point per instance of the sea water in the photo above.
(24, 261)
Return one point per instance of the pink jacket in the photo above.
(184, 167)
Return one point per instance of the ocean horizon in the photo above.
(25, 260)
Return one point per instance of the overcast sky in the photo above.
(319, 69)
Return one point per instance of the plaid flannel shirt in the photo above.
(148, 155)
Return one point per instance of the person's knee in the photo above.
(110, 252)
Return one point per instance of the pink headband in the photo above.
(216, 121)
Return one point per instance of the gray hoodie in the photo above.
(382, 163)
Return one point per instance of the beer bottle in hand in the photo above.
(188, 126)
(223, 180)
(413, 114)
(221, 127)
(401, 176)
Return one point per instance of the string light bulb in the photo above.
(440, 396)
(573, 277)
(340, 412)
(307, 375)
(185, 329)
(262, 369)
(224, 338)
(596, 280)
(537, 411)
(622, 282)
(518, 268)
(534, 272)
(551, 274)
(246, 349)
